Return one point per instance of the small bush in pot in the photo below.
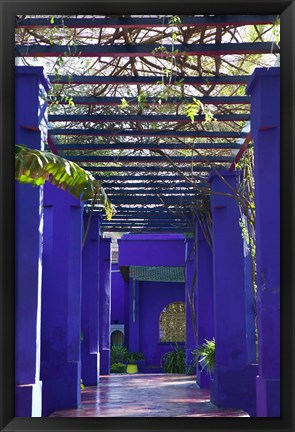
(133, 357)
(132, 360)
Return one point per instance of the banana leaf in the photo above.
(35, 167)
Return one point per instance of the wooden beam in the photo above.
(146, 146)
(147, 230)
(126, 118)
(150, 80)
(146, 192)
(146, 22)
(148, 50)
(109, 100)
(241, 152)
(148, 159)
(173, 177)
(144, 133)
(169, 200)
(171, 184)
(146, 169)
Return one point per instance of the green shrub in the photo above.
(118, 368)
(119, 354)
(206, 352)
(174, 361)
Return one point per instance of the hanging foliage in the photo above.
(35, 167)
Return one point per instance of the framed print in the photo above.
(147, 215)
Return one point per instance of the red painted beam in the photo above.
(51, 145)
(241, 152)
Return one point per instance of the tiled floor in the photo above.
(142, 395)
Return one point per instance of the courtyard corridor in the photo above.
(144, 395)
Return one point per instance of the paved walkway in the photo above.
(142, 395)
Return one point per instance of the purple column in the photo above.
(104, 304)
(249, 304)
(264, 89)
(90, 302)
(190, 298)
(234, 380)
(118, 296)
(204, 312)
(61, 300)
(133, 299)
(30, 130)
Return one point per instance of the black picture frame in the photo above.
(8, 10)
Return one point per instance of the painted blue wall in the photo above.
(153, 298)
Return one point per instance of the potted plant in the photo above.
(132, 361)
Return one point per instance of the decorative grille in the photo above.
(157, 274)
(172, 323)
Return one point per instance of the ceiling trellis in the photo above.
(131, 81)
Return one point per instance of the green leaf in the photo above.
(35, 166)
(124, 103)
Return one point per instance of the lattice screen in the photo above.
(172, 323)
(157, 274)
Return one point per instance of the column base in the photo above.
(268, 397)
(61, 386)
(236, 389)
(203, 379)
(189, 359)
(90, 369)
(105, 362)
(28, 400)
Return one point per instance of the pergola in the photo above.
(157, 109)
(149, 104)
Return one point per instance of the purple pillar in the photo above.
(204, 312)
(234, 379)
(190, 299)
(133, 299)
(30, 130)
(104, 304)
(264, 88)
(61, 300)
(249, 304)
(90, 302)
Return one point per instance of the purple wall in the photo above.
(61, 300)
(153, 298)
(149, 298)
(190, 299)
(104, 304)
(205, 319)
(264, 88)
(234, 379)
(118, 296)
(30, 128)
(90, 302)
(152, 250)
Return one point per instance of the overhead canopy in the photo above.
(150, 105)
